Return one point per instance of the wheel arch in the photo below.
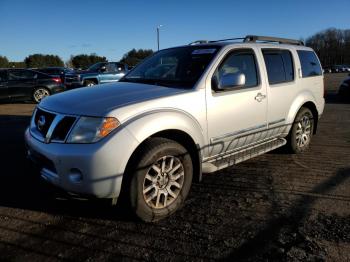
(172, 124)
(305, 99)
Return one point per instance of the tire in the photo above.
(89, 83)
(39, 94)
(301, 131)
(160, 167)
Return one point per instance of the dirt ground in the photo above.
(276, 207)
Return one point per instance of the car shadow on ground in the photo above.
(266, 244)
(22, 187)
(217, 216)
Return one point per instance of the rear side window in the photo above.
(310, 66)
(21, 75)
(279, 65)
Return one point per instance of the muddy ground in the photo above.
(276, 207)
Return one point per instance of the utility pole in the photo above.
(158, 27)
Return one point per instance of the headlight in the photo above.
(92, 129)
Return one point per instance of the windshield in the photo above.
(95, 67)
(177, 67)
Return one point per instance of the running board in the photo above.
(242, 155)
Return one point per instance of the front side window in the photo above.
(239, 62)
(110, 68)
(176, 67)
(279, 65)
(310, 66)
(3, 76)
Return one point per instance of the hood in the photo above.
(101, 99)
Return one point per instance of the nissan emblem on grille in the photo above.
(41, 122)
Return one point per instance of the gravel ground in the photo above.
(276, 207)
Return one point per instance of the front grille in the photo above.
(61, 131)
(47, 126)
(43, 121)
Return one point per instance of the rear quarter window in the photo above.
(310, 66)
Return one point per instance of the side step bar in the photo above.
(242, 155)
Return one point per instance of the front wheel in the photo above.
(160, 180)
(39, 94)
(302, 130)
(89, 83)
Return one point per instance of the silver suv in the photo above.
(182, 112)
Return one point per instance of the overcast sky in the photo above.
(112, 28)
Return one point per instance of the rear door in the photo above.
(281, 80)
(21, 83)
(3, 85)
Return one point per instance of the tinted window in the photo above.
(310, 66)
(120, 67)
(3, 76)
(239, 62)
(111, 67)
(279, 66)
(21, 74)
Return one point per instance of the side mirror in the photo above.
(229, 81)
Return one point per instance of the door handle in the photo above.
(259, 97)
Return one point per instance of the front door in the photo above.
(237, 116)
(21, 83)
(3, 85)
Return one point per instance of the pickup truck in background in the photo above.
(103, 72)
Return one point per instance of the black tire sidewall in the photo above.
(155, 152)
(295, 148)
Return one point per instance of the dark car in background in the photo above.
(68, 76)
(344, 89)
(26, 84)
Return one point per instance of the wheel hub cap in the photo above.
(303, 131)
(163, 182)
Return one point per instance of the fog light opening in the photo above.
(75, 175)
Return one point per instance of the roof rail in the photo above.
(198, 42)
(254, 38)
(214, 41)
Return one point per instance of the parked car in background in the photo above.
(344, 89)
(103, 72)
(68, 76)
(183, 111)
(26, 84)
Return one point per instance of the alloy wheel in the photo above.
(163, 182)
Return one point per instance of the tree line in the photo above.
(332, 46)
(82, 61)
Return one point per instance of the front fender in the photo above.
(149, 123)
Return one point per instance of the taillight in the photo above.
(57, 79)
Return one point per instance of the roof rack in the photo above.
(198, 42)
(253, 39)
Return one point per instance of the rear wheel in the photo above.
(161, 179)
(89, 83)
(302, 130)
(39, 94)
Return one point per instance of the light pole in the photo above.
(158, 27)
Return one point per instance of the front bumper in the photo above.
(90, 169)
